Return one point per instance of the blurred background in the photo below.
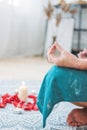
(29, 27)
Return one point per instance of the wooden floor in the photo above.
(31, 68)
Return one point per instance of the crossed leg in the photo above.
(78, 116)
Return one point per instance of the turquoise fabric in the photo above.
(61, 84)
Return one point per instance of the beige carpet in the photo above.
(30, 68)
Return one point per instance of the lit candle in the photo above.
(33, 92)
(23, 92)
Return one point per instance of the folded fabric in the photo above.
(61, 84)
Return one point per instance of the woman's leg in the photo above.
(80, 104)
(78, 117)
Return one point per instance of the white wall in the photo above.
(22, 27)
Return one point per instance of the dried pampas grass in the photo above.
(49, 10)
(58, 19)
(64, 7)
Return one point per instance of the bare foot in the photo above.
(65, 59)
(77, 117)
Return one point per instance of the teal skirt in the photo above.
(61, 84)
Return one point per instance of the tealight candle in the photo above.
(18, 111)
(33, 92)
(23, 92)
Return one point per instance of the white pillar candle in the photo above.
(23, 92)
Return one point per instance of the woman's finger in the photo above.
(52, 48)
(59, 48)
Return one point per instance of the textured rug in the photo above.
(32, 120)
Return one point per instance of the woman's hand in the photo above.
(83, 54)
(65, 59)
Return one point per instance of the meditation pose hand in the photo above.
(66, 59)
(83, 54)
